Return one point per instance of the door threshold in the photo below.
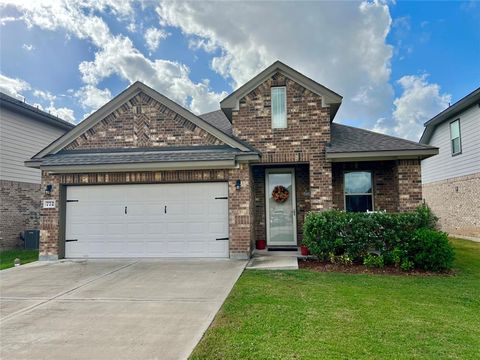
(283, 248)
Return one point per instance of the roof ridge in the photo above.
(385, 135)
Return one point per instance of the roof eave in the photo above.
(380, 155)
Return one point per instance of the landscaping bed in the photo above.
(326, 266)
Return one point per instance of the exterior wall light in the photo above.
(48, 189)
(238, 184)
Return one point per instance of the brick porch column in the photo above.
(49, 220)
(409, 177)
(240, 212)
(320, 182)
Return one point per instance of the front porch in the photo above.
(384, 185)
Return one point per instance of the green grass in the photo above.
(311, 315)
(8, 256)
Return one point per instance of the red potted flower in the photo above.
(304, 250)
(261, 244)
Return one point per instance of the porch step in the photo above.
(269, 262)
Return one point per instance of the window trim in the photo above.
(459, 137)
(371, 193)
(285, 107)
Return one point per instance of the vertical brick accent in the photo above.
(409, 177)
(19, 211)
(304, 139)
(455, 203)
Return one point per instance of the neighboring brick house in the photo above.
(451, 180)
(24, 131)
(143, 176)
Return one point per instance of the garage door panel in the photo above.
(193, 222)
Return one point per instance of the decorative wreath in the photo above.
(280, 194)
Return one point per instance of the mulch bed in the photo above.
(323, 266)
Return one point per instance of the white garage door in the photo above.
(159, 220)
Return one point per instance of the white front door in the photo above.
(281, 207)
(154, 220)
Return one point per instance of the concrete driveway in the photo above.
(111, 309)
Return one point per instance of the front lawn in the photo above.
(7, 257)
(312, 315)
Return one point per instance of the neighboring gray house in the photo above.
(451, 180)
(24, 131)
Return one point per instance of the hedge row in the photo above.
(407, 240)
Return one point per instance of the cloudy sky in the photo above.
(395, 63)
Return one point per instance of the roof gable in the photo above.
(329, 97)
(189, 120)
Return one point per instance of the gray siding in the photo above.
(20, 139)
(445, 166)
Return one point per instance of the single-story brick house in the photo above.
(144, 177)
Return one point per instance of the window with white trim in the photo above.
(358, 191)
(279, 108)
(455, 137)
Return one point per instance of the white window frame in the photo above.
(459, 138)
(345, 192)
(284, 103)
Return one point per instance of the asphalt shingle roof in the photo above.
(350, 139)
(218, 119)
(125, 156)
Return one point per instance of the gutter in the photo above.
(381, 155)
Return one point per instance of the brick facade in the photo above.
(455, 203)
(19, 211)
(304, 139)
(143, 122)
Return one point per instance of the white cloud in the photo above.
(93, 98)
(116, 54)
(153, 36)
(63, 113)
(419, 102)
(340, 44)
(28, 47)
(45, 95)
(13, 86)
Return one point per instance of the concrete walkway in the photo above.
(118, 309)
(274, 260)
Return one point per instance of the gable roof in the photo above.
(349, 143)
(32, 112)
(119, 100)
(461, 105)
(329, 97)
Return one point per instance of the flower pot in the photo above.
(304, 250)
(261, 244)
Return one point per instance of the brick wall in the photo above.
(19, 211)
(409, 178)
(143, 122)
(455, 202)
(385, 195)
(240, 202)
(304, 139)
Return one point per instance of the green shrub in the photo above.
(430, 250)
(333, 234)
(373, 261)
